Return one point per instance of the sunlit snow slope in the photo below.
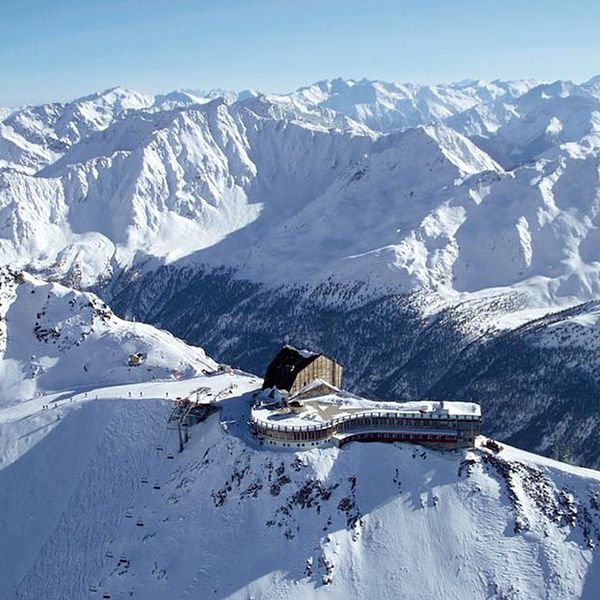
(52, 337)
(92, 505)
(423, 235)
(97, 501)
(490, 185)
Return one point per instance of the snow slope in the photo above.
(465, 210)
(38, 135)
(388, 219)
(92, 506)
(175, 181)
(543, 119)
(96, 499)
(52, 337)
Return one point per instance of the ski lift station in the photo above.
(302, 405)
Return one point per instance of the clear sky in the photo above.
(61, 49)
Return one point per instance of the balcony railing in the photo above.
(366, 420)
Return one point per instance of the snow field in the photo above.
(231, 520)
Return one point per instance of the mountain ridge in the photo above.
(328, 522)
(261, 214)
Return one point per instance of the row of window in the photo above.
(400, 436)
(289, 445)
(373, 437)
(363, 423)
(406, 437)
(393, 422)
(296, 435)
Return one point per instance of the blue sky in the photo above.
(60, 49)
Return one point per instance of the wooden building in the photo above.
(314, 389)
(293, 369)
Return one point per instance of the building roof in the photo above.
(284, 368)
(315, 384)
(325, 410)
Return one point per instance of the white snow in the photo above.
(96, 499)
(331, 406)
(84, 486)
(52, 337)
(468, 189)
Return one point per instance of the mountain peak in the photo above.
(120, 97)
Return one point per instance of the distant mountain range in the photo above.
(439, 240)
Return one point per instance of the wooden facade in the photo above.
(315, 389)
(293, 369)
(322, 368)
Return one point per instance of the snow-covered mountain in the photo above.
(52, 338)
(384, 106)
(536, 124)
(440, 221)
(35, 136)
(97, 502)
(263, 185)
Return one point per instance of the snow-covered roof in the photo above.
(332, 407)
(303, 352)
(314, 384)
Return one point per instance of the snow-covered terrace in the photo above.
(334, 409)
(339, 418)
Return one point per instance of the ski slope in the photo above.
(53, 337)
(82, 516)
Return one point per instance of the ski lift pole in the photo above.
(180, 436)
